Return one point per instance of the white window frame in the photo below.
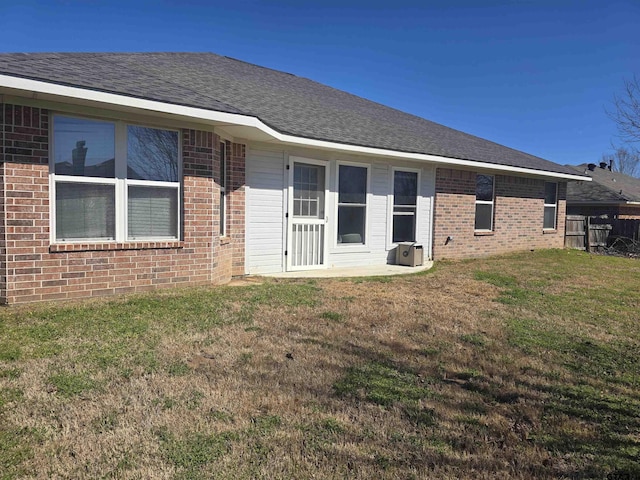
(485, 202)
(120, 182)
(224, 219)
(391, 202)
(550, 205)
(366, 205)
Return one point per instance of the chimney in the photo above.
(603, 165)
(79, 155)
(591, 167)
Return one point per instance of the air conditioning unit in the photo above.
(409, 254)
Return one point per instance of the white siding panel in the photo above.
(265, 210)
(425, 207)
(378, 213)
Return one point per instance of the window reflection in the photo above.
(84, 147)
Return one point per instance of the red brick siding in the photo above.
(36, 270)
(518, 216)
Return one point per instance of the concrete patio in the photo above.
(361, 271)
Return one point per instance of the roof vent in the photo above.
(591, 167)
(604, 165)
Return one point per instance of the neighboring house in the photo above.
(613, 194)
(127, 172)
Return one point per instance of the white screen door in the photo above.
(308, 184)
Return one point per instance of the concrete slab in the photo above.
(362, 271)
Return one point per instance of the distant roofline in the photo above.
(65, 90)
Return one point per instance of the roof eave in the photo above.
(611, 203)
(107, 98)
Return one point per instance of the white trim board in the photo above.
(36, 87)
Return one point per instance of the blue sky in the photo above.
(534, 75)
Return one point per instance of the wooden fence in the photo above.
(595, 234)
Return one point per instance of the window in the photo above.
(114, 181)
(405, 205)
(308, 190)
(352, 204)
(484, 202)
(550, 205)
(223, 189)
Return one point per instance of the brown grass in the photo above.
(409, 377)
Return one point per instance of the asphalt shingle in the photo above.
(606, 187)
(288, 103)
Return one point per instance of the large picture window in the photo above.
(484, 202)
(550, 205)
(352, 204)
(114, 181)
(405, 206)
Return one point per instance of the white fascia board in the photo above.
(37, 86)
(586, 203)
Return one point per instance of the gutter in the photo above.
(35, 87)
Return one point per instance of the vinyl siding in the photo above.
(266, 207)
(265, 212)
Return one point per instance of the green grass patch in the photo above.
(15, 449)
(9, 352)
(474, 339)
(72, 384)
(333, 316)
(381, 384)
(10, 373)
(194, 450)
(178, 369)
(386, 385)
(616, 361)
(494, 278)
(265, 423)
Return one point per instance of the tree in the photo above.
(624, 160)
(626, 111)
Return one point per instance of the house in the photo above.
(611, 194)
(128, 172)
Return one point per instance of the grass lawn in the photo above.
(519, 366)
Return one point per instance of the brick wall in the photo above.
(33, 269)
(518, 216)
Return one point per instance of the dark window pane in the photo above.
(85, 211)
(152, 154)
(223, 213)
(405, 188)
(484, 188)
(550, 192)
(484, 214)
(549, 217)
(404, 228)
(84, 147)
(223, 164)
(352, 186)
(153, 212)
(351, 224)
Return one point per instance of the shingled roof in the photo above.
(606, 187)
(287, 103)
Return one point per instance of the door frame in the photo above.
(289, 215)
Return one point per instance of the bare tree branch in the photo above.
(624, 160)
(626, 111)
